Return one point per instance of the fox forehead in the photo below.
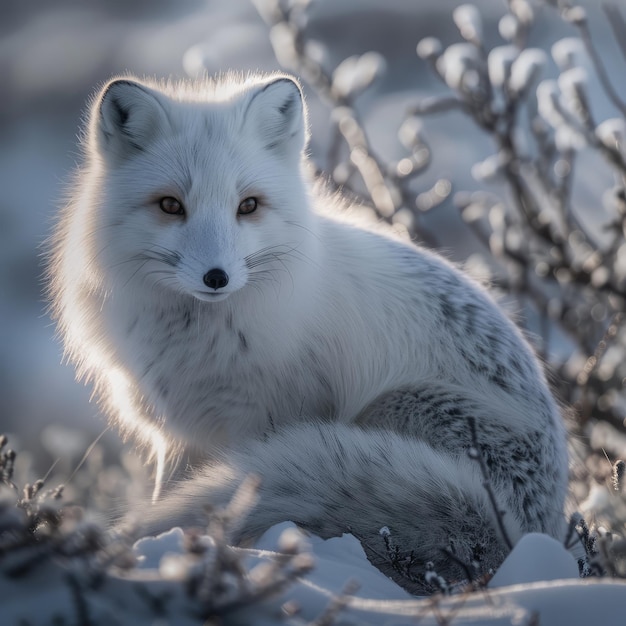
(209, 152)
(201, 150)
(221, 119)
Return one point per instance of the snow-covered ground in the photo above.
(537, 584)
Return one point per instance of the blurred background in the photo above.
(53, 56)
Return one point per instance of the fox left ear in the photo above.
(277, 114)
(127, 116)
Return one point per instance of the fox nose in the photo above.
(215, 278)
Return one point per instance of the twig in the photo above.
(586, 38)
(476, 454)
(337, 604)
(618, 24)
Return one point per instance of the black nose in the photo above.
(215, 278)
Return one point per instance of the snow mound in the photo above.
(536, 557)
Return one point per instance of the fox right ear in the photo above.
(277, 114)
(128, 116)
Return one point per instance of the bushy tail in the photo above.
(333, 479)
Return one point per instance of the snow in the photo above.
(539, 578)
(469, 22)
(524, 566)
(338, 560)
(569, 52)
(499, 62)
(150, 550)
(526, 68)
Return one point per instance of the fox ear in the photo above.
(277, 114)
(128, 117)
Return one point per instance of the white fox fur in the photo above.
(335, 361)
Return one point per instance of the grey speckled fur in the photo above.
(339, 363)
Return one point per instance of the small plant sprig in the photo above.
(35, 524)
(619, 476)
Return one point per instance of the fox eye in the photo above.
(247, 206)
(171, 206)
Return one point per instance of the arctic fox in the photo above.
(227, 307)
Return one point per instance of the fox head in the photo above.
(200, 188)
